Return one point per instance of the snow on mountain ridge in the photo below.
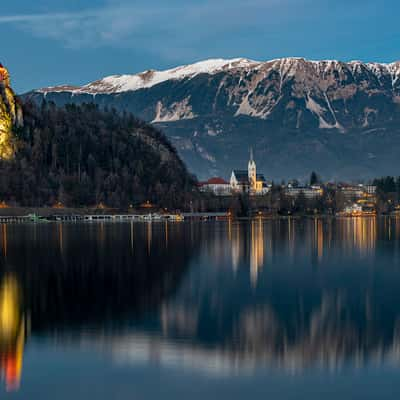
(286, 66)
(149, 78)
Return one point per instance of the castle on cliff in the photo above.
(10, 116)
(4, 76)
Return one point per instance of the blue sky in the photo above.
(46, 42)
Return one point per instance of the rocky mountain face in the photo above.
(341, 119)
(10, 116)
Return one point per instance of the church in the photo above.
(249, 181)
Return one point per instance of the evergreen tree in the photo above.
(314, 178)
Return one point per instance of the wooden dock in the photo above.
(15, 219)
(206, 215)
(115, 217)
(152, 217)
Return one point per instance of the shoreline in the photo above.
(48, 214)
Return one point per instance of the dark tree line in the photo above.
(83, 156)
(388, 184)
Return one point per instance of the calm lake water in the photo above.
(285, 309)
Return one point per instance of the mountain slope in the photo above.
(340, 118)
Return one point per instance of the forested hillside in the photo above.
(80, 155)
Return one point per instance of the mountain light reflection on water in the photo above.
(214, 300)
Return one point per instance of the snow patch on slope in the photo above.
(314, 107)
(319, 111)
(175, 112)
(204, 154)
(245, 108)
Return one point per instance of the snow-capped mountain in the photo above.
(340, 118)
(150, 78)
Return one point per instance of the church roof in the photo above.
(242, 176)
(260, 177)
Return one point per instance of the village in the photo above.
(341, 199)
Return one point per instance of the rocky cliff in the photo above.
(10, 116)
(342, 119)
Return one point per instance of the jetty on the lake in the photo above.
(114, 217)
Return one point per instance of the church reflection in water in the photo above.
(258, 240)
(220, 296)
(256, 249)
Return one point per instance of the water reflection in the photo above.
(274, 308)
(221, 297)
(12, 332)
(360, 233)
(257, 249)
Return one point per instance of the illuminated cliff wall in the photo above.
(10, 116)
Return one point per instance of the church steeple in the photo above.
(252, 171)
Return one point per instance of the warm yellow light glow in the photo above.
(58, 205)
(10, 115)
(12, 332)
(4, 76)
(9, 308)
(147, 204)
(256, 249)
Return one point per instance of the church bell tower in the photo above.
(252, 172)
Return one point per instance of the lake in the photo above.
(282, 309)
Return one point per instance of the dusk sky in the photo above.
(47, 42)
